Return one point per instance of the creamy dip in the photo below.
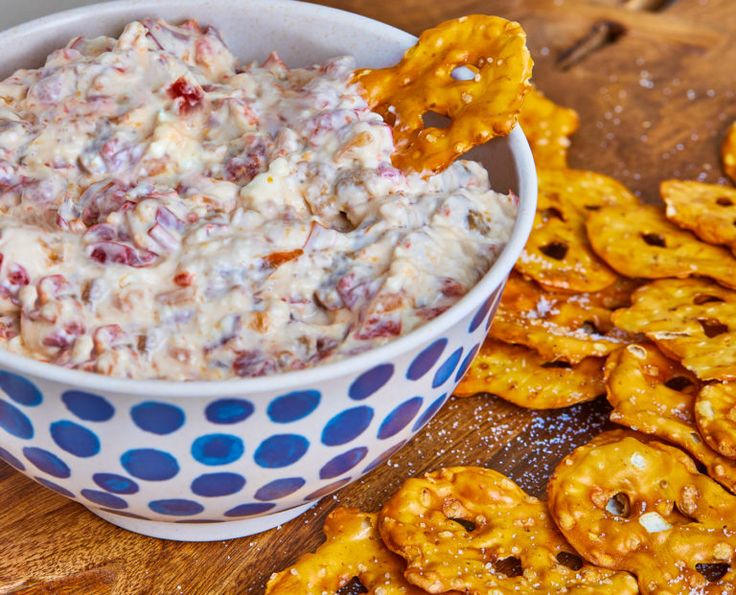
(167, 213)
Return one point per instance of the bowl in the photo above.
(201, 461)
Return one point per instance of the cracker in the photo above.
(715, 414)
(548, 128)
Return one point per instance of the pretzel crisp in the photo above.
(473, 530)
(708, 210)
(638, 241)
(557, 325)
(558, 254)
(692, 320)
(521, 376)
(715, 414)
(352, 552)
(728, 152)
(548, 128)
(655, 395)
(644, 508)
(481, 108)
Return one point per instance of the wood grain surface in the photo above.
(654, 85)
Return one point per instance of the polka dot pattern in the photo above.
(281, 450)
(176, 507)
(212, 485)
(445, 371)
(217, 449)
(228, 411)
(279, 488)
(104, 499)
(87, 406)
(481, 314)
(466, 362)
(20, 389)
(328, 489)
(370, 382)
(342, 463)
(294, 406)
(75, 439)
(426, 359)
(47, 462)
(15, 422)
(251, 509)
(117, 484)
(429, 413)
(385, 456)
(150, 464)
(11, 460)
(157, 418)
(347, 426)
(54, 487)
(399, 418)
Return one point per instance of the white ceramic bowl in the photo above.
(215, 460)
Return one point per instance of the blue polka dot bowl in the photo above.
(215, 460)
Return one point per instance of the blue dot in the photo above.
(47, 462)
(105, 499)
(281, 450)
(342, 463)
(250, 509)
(55, 487)
(429, 412)
(481, 314)
(399, 418)
(149, 464)
(87, 406)
(466, 363)
(14, 421)
(444, 372)
(328, 489)
(279, 488)
(217, 449)
(426, 359)
(369, 382)
(157, 418)
(228, 411)
(19, 389)
(385, 456)
(212, 485)
(176, 507)
(118, 484)
(347, 426)
(293, 406)
(75, 439)
(11, 460)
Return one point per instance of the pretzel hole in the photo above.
(466, 72)
(619, 505)
(589, 327)
(434, 120)
(509, 567)
(712, 327)
(704, 298)
(556, 250)
(552, 213)
(713, 572)
(572, 561)
(469, 526)
(654, 239)
(678, 383)
(353, 587)
(724, 201)
(557, 364)
(592, 207)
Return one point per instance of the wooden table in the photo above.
(654, 98)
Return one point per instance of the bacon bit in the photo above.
(192, 25)
(250, 364)
(166, 217)
(276, 259)
(431, 313)
(376, 327)
(107, 336)
(184, 279)
(352, 290)
(187, 95)
(259, 322)
(325, 346)
(18, 275)
(53, 287)
(117, 253)
(63, 338)
(452, 288)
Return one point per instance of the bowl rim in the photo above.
(494, 278)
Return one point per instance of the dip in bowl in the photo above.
(264, 399)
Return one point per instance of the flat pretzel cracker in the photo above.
(655, 395)
(548, 128)
(728, 152)
(465, 528)
(558, 254)
(638, 241)
(521, 376)
(353, 550)
(481, 108)
(557, 325)
(708, 210)
(644, 508)
(715, 414)
(692, 320)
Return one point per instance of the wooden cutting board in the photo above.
(655, 97)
